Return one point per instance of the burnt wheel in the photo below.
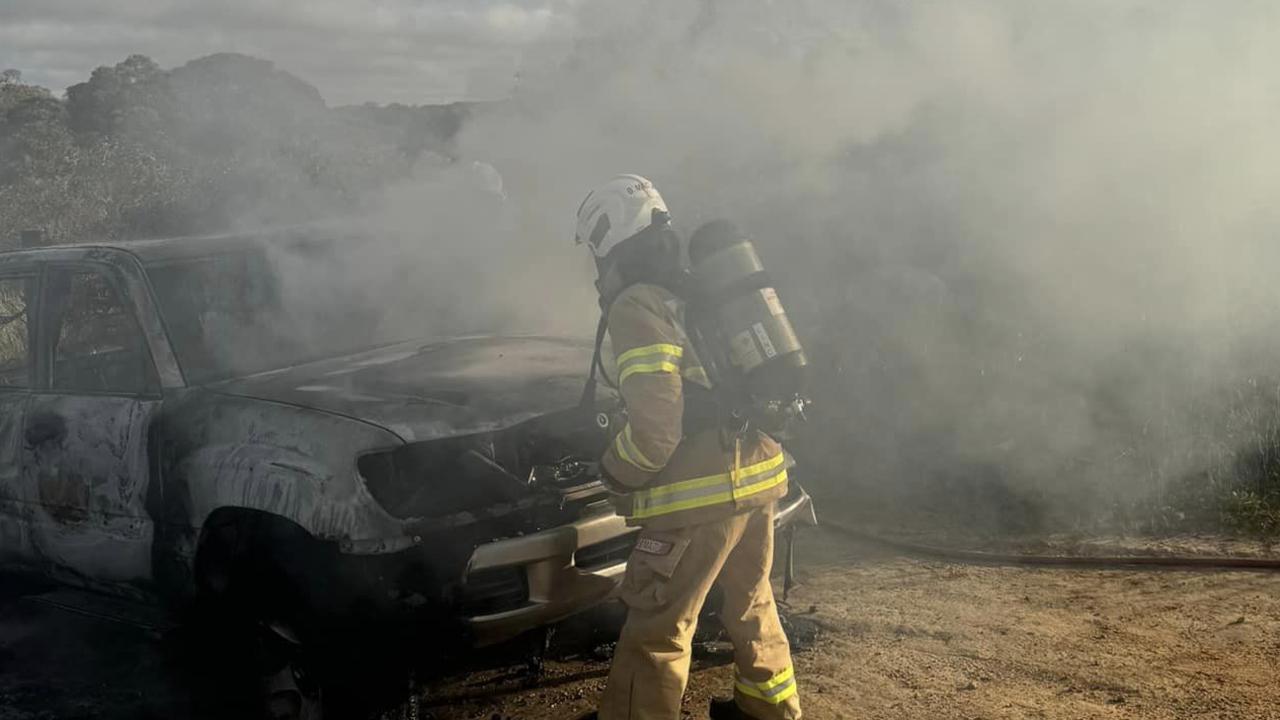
(253, 607)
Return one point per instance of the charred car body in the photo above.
(441, 481)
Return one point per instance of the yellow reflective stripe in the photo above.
(691, 504)
(701, 482)
(762, 486)
(622, 452)
(635, 449)
(685, 485)
(705, 500)
(782, 696)
(774, 691)
(656, 358)
(621, 449)
(777, 680)
(657, 367)
(626, 447)
(674, 351)
(709, 490)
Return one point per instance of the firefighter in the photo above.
(702, 492)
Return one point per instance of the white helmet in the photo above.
(616, 211)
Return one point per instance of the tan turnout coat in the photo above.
(676, 480)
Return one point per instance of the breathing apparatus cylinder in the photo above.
(742, 320)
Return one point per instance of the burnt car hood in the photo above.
(422, 391)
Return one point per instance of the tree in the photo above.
(137, 150)
(130, 98)
(14, 92)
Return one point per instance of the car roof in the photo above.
(161, 250)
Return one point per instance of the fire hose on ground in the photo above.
(984, 557)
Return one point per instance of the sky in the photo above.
(408, 51)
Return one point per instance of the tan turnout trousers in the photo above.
(668, 577)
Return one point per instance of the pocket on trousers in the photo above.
(650, 567)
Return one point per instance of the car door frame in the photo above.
(128, 276)
(14, 525)
(118, 550)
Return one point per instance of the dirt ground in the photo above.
(897, 638)
(907, 639)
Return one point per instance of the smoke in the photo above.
(1034, 238)
(1028, 244)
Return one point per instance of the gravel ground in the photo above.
(886, 637)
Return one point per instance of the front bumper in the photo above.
(524, 583)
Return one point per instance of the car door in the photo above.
(17, 292)
(84, 449)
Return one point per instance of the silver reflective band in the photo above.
(710, 490)
(774, 691)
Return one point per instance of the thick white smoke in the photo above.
(1030, 234)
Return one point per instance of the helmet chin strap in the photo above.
(609, 284)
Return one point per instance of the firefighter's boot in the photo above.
(727, 709)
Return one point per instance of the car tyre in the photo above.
(246, 591)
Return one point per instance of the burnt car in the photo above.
(167, 430)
